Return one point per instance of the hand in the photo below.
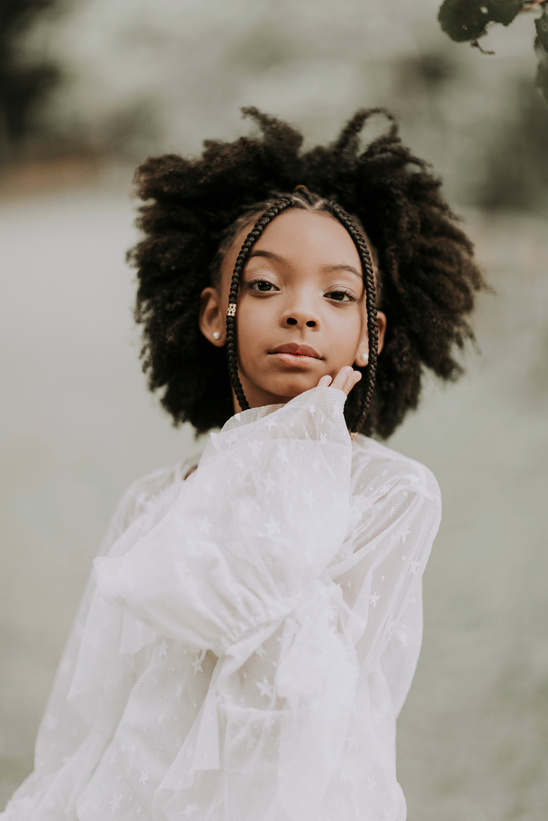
(345, 380)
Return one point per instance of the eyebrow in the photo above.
(348, 268)
(277, 258)
(267, 254)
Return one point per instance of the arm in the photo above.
(243, 540)
(401, 511)
(237, 565)
(76, 695)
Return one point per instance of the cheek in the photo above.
(351, 333)
(252, 324)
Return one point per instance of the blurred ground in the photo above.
(77, 426)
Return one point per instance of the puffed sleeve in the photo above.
(244, 536)
(401, 511)
(66, 720)
(67, 745)
(238, 566)
(397, 507)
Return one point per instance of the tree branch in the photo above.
(532, 5)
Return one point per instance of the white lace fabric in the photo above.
(248, 635)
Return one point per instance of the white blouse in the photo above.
(248, 636)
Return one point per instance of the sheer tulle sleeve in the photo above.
(238, 566)
(76, 699)
(82, 713)
(244, 536)
(397, 511)
(262, 559)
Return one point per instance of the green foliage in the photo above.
(467, 20)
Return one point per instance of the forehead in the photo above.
(302, 237)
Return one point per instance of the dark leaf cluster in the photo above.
(425, 261)
(467, 20)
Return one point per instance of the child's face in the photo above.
(302, 286)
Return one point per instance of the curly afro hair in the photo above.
(427, 277)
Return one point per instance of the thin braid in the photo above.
(279, 206)
(371, 304)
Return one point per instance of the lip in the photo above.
(297, 350)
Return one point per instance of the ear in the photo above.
(212, 323)
(381, 326)
(362, 356)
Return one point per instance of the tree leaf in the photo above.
(467, 19)
(503, 11)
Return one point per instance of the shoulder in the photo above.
(155, 483)
(145, 490)
(380, 470)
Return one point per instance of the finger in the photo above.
(352, 379)
(356, 377)
(325, 381)
(341, 378)
(346, 379)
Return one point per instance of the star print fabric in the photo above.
(248, 637)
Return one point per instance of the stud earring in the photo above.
(364, 357)
(216, 334)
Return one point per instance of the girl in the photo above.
(252, 626)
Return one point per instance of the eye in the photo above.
(262, 285)
(341, 296)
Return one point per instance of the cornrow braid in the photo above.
(245, 250)
(367, 388)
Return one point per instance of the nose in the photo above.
(294, 320)
(300, 315)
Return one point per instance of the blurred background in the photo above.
(88, 88)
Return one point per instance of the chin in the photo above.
(277, 394)
(289, 391)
